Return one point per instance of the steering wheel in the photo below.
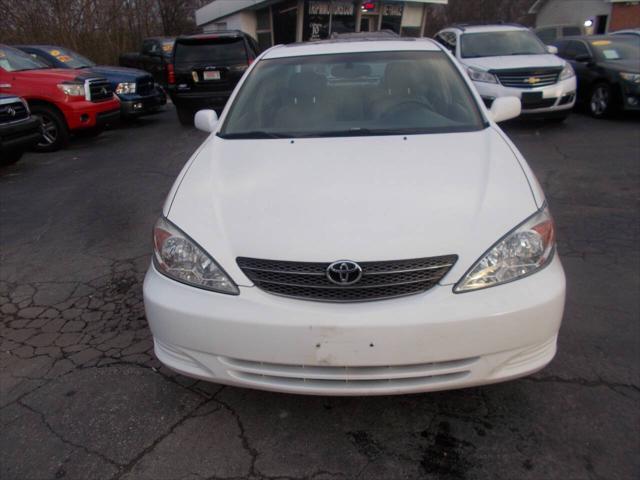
(397, 108)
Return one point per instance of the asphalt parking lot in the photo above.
(82, 396)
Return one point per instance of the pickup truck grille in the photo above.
(12, 112)
(145, 85)
(380, 280)
(528, 78)
(99, 90)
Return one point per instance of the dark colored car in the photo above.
(137, 90)
(19, 131)
(608, 71)
(154, 57)
(206, 70)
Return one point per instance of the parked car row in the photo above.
(64, 93)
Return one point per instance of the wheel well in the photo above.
(44, 103)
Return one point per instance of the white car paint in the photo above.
(368, 199)
(491, 91)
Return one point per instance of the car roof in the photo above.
(42, 47)
(498, 27)
(591, 38)
(213, 35)
(352, 45)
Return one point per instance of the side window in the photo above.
(42, 58)
(576, 49)
(149, 47)
(547, 35)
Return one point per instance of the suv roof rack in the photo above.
(463, 26)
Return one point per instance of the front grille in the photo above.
(144, 86)
(99, 90)
(528, 78)
(380, 280)
(12, 112)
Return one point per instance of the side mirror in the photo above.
(551, 49)
(206, 120)
(583, 58)
(505, 108)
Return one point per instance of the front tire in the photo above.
(600, 100)
(185, 116)
(55, 133)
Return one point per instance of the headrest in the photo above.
(306, 85)
(401, 78)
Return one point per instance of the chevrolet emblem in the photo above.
(532, 80)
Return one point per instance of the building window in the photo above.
(324, 17)
(391, 16)
(263, 28)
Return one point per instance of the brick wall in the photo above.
(626, 15)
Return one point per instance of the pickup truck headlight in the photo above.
(630, 77)
(521, 252)
(178, 257)
(567, 72)
(478, 75)
(72, 89)
(126, 87)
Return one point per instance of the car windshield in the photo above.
(70, 58)
(353, 94)
(495, 44)
(622, 48)
(12, 60)
(211, 51)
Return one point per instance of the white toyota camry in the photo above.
(356, 224)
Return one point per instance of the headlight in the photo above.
(521, 252)
(126, 87)
(630, 77)
(72, 89)
(180, 258)
(567, 72)
(481, 76)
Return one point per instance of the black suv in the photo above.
(19, 131)
(206, 69)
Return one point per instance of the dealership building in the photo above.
(272, 22)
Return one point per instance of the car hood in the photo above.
(119, 73)
(514, 61)
(53, 74)
(358, 198)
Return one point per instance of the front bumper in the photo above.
(434, 341)
(630, 96)
(84, 114)
(20, 135)
(137, 105)
(559, 97)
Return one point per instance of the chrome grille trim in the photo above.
(518, 78)
(93, 90)
(380, 280)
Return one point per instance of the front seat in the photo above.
(305, 102)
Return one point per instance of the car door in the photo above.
(581, 58)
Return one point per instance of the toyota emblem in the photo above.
(10, 111)
(344, 272)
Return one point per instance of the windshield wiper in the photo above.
(255, 134)
(362, 132)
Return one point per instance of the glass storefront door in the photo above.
(324, 17)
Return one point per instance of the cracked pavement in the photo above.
(83, 397)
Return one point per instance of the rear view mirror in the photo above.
(505, 108)
(551, 49)
(206, 120)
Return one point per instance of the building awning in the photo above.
(222, 8)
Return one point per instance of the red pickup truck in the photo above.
(66, 101)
